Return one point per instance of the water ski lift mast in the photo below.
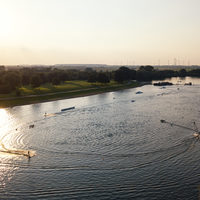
(195, 130)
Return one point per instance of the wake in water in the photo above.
(49, 114)
(27, 153)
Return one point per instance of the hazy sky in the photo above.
(99, 31)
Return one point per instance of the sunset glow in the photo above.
(105, 32)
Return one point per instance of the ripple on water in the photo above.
(109, 149)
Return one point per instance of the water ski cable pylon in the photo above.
(181, 126)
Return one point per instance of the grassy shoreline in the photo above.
(10, 101)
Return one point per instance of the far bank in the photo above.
(80, 89)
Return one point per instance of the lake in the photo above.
(111, 146)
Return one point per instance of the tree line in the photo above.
(148, 73)
(11, 80)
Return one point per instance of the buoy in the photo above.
(31, 126)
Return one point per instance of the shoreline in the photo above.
(33, 99)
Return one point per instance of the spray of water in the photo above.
(22, 152)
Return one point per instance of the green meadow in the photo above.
(64, 87)
(68, 89)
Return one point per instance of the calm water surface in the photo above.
(107, 148)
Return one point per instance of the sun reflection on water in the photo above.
(5, 124)
(4, 116)
(7, 169)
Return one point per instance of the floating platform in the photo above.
(65, 109)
